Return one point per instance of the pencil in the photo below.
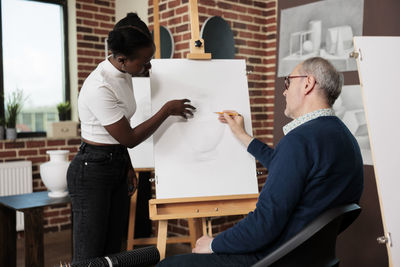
(229, 113)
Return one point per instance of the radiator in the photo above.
(15, 179)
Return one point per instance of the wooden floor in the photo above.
(57, 248)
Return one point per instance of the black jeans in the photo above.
(97, 185)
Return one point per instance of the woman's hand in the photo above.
(179, 108)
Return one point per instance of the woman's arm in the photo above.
(125, 135)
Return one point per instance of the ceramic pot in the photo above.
(54, 173)
(11, 133)
(1, 132)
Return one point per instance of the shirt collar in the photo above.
(110, 68)
(307, 117)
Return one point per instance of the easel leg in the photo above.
(204, 225)
(162, 237)
(132, 217)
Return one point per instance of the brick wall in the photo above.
(254, 24)
(95, 18)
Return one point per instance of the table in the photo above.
(32, 206)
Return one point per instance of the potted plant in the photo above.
(63, 110)
(13, 108)
(65, 127)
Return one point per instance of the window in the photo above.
(33, 59)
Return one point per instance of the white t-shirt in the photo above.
(106, 96)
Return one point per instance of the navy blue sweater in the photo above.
(316, 166)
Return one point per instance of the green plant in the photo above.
(13, 107)
(63, 110)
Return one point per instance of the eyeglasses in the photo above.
(287, 80)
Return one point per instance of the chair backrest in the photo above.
(314, 245)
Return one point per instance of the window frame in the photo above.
(67, 93)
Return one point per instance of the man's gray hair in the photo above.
(327, 77)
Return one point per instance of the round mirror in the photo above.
(166, 42)
(218, 38)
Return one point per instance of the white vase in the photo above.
(54, 173)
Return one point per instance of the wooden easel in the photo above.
(196, 207)
(163, 210)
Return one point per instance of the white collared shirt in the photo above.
(307, 117)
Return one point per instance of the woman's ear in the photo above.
(121, 59)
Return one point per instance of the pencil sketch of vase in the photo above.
(312, 30)
(203, 132)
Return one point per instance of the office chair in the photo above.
(315, 245)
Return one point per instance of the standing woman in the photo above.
(100, 177)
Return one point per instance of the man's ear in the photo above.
(310, 84)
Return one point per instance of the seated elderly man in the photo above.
(316, 166)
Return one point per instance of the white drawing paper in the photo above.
(200, 156)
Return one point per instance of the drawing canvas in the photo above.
(142, 155)
(200, 156)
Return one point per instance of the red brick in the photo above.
(84, 29)
(35, 143)
(101, 31)
(223, 5)
(229, 15)
(177, 38)
(84, 14)
(103, 3)
(76, 141)
(30, 152)
(8, 154)
(182, 46)
(37, 159)
(240, 9)
(174, 3)
(90, 23)
(214, 12)
(14, 144)
(182, 28)
(85, 60)
(239, 25)
(174, 21)
(207, 2)
(185, 9)
(107, 25)
(187, 36)
(47, 214)
(168, 14)
(90, 8)
(107, 11)
(102, 17)
(253, 28)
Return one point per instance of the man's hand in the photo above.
(132, 182)
(203, 245)
(236, 124)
